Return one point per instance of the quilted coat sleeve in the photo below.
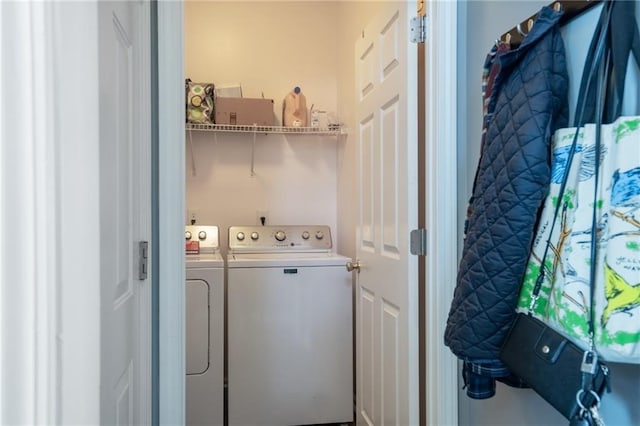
(528, 102)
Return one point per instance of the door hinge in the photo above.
(143, 256)
(418, 242)
(418, 29)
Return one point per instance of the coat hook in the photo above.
(519, 28)
(507, 38)
(557, 6)
(529, 25)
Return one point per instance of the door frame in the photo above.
(441, 369)
(441, 372)
(171, 214)
(49, 189)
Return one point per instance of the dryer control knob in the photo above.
(240, 236)
(254, 236)
(187, 235)
(202, 235)
(305, 235)
(281, 236)
(319, 235)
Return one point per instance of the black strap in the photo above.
(622, 40)
(622, 43)
(585, 109)
(600, 105)
(590, 358)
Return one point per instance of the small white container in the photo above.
(315, 118)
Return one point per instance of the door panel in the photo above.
(387, 301)
(124, 397)
(120, 210)
(366, 362)
(367, 154)
(390, 349)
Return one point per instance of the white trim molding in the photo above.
(28, 194)
(48, 187)
(171, 216)
(142, 185)
(441, 140)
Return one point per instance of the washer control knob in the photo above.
(281, 236)
(305, 235)
(254, 236)
(187, 235)
(240, 236)
(202, 235)
(319, 235)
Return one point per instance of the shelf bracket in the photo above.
(253, 151)
(193, 158)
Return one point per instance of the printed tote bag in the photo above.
(564, 301)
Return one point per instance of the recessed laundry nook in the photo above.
(268, 97)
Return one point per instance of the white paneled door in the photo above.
(387, 282)
(123, 209)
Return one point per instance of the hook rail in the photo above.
(571, 8)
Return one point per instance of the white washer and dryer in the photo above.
(289, 325)
(204, 296)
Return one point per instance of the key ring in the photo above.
(579, 399)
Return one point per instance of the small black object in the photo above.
(550, 364)
(582, 419)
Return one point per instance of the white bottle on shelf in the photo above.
(315, 119)
(294, 109)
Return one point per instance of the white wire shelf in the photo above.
(230, 128)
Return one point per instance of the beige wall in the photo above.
(267, 47)
(270, 47)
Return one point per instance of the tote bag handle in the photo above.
(620, 42)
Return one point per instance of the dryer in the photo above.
(289, 327)
(204, 295)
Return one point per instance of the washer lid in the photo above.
(204, 260)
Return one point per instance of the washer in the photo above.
(289, 325)
(204, 295)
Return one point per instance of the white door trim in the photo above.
(142, 174)
(441, 398)
(171, 188)
(49, 189)
(30, 262)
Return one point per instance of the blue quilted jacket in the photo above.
(528, 102)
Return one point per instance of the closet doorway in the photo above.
(435, 364)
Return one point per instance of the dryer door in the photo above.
(197, 315)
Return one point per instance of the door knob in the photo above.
(353, 266)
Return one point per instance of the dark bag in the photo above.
(551, 364)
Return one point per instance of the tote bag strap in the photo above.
(621, 40)
(601, 92)
(624, 39)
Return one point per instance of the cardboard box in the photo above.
(244, 111)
